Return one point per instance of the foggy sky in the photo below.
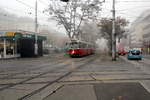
(130, 10)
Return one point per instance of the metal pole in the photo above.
(113, 33)
(36, 29)
(4, 48)
(16, 47)
(74, 20)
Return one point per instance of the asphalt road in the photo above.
(43, 78)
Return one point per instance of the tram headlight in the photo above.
(73, 51)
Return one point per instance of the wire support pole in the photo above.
(36, 30)
(113, 33)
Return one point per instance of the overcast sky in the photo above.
(130, 9)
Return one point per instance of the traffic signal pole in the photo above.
(113, 33)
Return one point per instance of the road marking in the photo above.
(147, 61)
(138, 64)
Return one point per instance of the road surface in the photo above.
(59, 77)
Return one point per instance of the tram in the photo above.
(76, 48)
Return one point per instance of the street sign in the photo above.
(9, 33)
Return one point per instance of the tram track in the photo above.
(93, 79)
(37, 68)
(28, 70)
(31, 69)
(31, 62)
(55, 80)
(36, 76)
(30, 78)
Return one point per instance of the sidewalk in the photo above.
(147, 56)
(146, 59)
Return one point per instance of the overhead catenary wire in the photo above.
(132, 1)
(26, 12)
(131, 9)
(17, 10)
(127, 1)
(42, 2)
(31, 7)
(25, 4)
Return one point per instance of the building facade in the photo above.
(146, 39)
(140, 33)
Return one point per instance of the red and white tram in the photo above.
(76, 48)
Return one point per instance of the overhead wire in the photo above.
(133, 1)
(26, 12)
(17, 10)
(32, 7)
(134, 8)
(131, 16)
(127, 1)
(42, 2)
(25, 4)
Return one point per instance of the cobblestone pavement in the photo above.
(50, 77)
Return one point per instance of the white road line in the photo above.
(137, 64)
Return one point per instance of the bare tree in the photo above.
(89, 32)
(73, 13)
(105, 25)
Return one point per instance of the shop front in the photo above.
(17, 44)
(8, 47)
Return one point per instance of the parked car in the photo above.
(134, 54)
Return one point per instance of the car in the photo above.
(134, 54)
(121, 52)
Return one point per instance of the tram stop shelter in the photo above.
(20, 44)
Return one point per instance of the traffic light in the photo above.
(64, 0)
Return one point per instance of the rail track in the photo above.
(29, 68)
(56, 80)
(36, 76)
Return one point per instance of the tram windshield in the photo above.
(74, 45)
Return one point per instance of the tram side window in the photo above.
(82, 45)
(88, 46)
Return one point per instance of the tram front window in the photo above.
(74, 45)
